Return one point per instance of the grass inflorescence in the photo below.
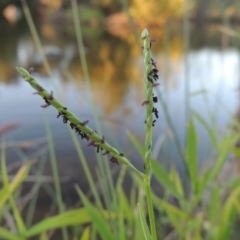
(98, 142)
(80, 127)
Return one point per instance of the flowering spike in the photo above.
(114, 160)
(144, 34)
(156, 84)
(103, 139)
(65, 119)
(46, 103)
(51, 95)
(84, 122)
(150, 73)
(79, 126)
(31, 70)
(105, 153)
(153, 123)
(39, 88)
(146, 102)
(92, 143)
(153, 40)
(155, 99)
(155, 111)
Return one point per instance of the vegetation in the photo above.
(204, 208)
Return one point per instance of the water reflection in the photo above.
(115, 67)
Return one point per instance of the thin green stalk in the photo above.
(131, 21)
(86, 169)
(186, 31)
(103, 165)
(36, 37)
(55, 174)
(79, 126)
(35, 189)
(150, 75)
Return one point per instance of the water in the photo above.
(115, 66)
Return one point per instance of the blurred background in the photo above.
(197, 55)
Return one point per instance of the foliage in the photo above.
(206, 208)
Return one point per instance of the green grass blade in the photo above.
(191, 157)
(163, 177)
(18, 179)
(225, 149)
(176, 180)
(70, 218)
(215, 204)
(32, 204)
(124, 213)
(210, 130)
(97, 218)
(55, 172)
(35, 37)
(86, 234)
(8, 235)
(43, 236)
(176, 216)
(145, 229)
(20, 224)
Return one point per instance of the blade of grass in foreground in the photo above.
(97, 218)
(103, 165)
(70, 218)
(145, 229)
(8, 235)
(191, 157)
(86, 234)
(16, 182)
(17, 216)
(55, 172)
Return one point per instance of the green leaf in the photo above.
(86, 234)
(215, 204)
(229, 215)
(43, 236)
(177, 217)
(163, 177)
(70, 218)
(192, 153)
(17, 215)
(8, 235)
(23, 71)
(225, 148)
(210, 130)
(97, 218)
(124, 213)
(175, 178)
(18, 179)
(230, 206)
(145, 229)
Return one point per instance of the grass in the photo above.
(208, 210)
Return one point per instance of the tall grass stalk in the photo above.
(186, 32)
(99, 142)
(103, 165)
(148, 82)
(55, 173)
(36, 37)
